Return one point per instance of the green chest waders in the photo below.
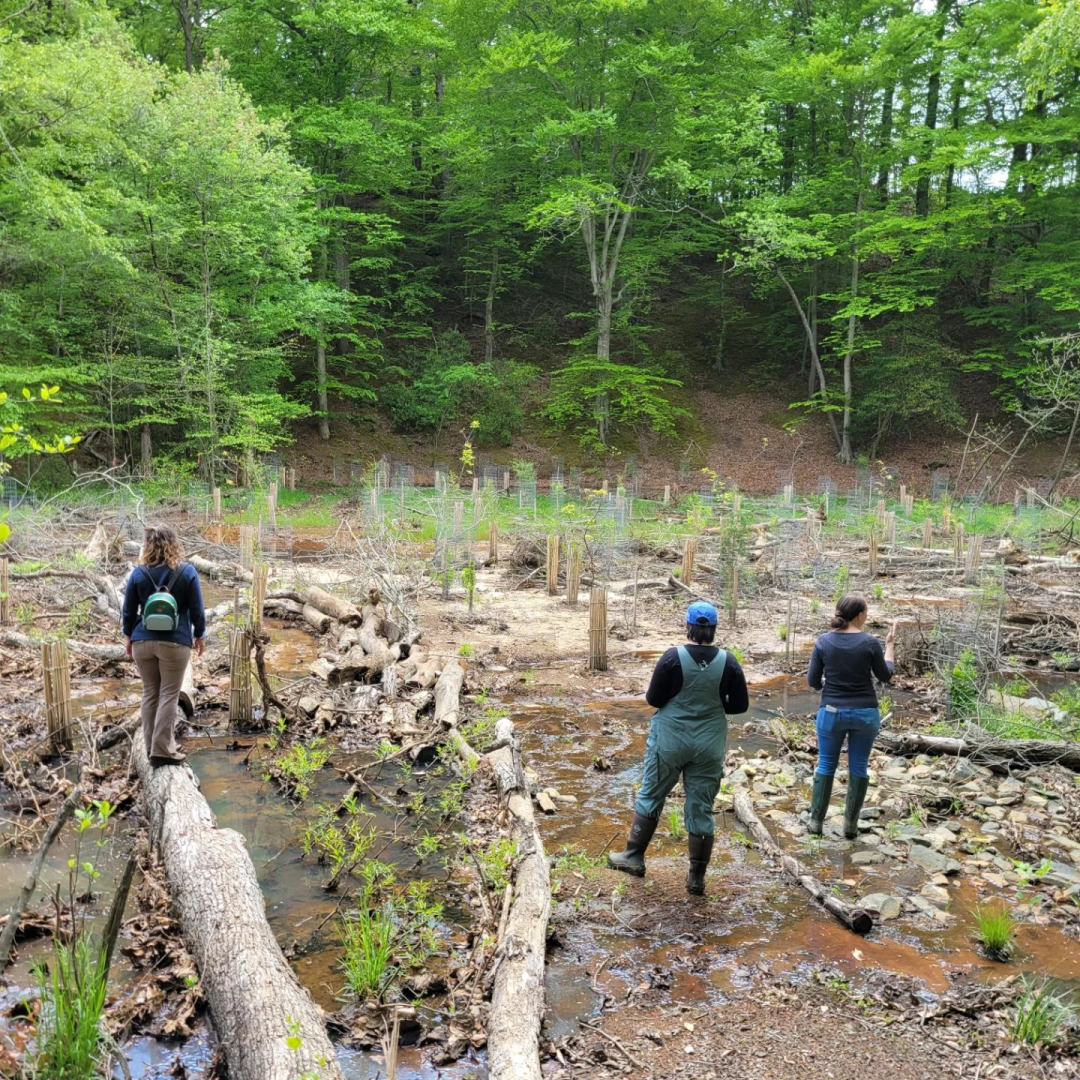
(688, 737)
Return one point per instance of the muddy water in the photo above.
(752, 916)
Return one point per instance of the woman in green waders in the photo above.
(693, 689)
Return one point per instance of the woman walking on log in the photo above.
(163, 621)
(693, 689)
(842, 666)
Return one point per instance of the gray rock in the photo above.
(933, 862)
(883, 905)
(1062, 874)
(867, 858)
(935, 893)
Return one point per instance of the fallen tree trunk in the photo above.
(517, 995)
(101, 653)
(265, 1021)
(318, 620)
(854, 918)
(15, 914)
(334, 606)
(1001, 755)
(218, 570)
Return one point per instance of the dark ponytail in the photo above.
(847, 608)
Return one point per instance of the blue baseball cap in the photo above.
(700, 614)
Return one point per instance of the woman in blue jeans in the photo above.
(842, 666)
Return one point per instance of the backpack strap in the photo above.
(168, 586)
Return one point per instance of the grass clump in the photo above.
(675, 825)
(995, 930)
(1039, 1015)
(73, 987)
(368, 936)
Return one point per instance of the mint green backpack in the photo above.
(160, 611)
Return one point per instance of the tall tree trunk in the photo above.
(146, 449)
(489, 306)
(342, 275)
(845, 431)
(812, 334)
(320, 380)
(1065, 453)
(814, 356)
(954, 123)
(933, 98)
(885, 142)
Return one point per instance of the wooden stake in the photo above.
(216, 494)
(958, 543)
(927, 533)
(880, 513)
(734, 591)
(890, 526)
(573, 573)
(57, 686)
(873, 552)
(5, 591)
(271, 507)
(689, 552)
(598, 629)
(239, 676)
(247, 546)
(667, 494)
(493, 541)
(553, 565)
(260, 572)
(974, 554)
(604, 488)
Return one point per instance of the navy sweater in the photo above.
(843, 666)
(187, 593)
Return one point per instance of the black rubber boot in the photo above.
(819, 804)
(700, 854)
(632, 860)
(856, 793)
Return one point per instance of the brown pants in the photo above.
(161, 665)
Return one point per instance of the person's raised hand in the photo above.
(200, 646)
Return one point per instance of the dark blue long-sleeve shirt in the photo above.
(843, 666)
(187, 593)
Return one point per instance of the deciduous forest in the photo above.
(224, 223)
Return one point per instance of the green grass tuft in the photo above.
(675, 825)
(368, 937)
(72, 987)
(995, 930)
(1039, 1015)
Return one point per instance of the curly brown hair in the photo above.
(161, 545)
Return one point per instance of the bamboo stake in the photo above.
(5, 591)
(598, 660)
(57, 687)
(689, 552)
(573, 573)
(239, 676)
(974, 554)
(734, 591)
(260, 572)
(553, 565)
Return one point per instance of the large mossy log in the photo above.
(854, 918)
(266, 1022)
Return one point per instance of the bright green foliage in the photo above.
(1039, 1015)
(215, 222)
(368, 936)
(73, 986)
(995, 930)
(964, 685)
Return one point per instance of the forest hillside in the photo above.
(580, 229)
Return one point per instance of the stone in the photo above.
(1062, 874)
(309, 704)
(997, 813)
(883, 905)
(867, 858)
(985, 800)
(920, 903)
(933, 862)
(870, 812)
(935, 893)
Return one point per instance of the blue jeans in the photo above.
(860, 726)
